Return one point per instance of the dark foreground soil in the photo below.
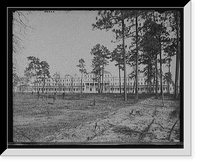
(95, 118)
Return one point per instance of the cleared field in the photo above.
(34, 118)
(93, 118)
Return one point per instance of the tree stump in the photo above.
(38, 94)
(63, 95)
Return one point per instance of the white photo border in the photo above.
(187, 151)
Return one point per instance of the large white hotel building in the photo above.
(69, 84)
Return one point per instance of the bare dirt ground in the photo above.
(109, 119)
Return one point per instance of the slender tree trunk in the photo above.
(156, 65)
(59, 84)
(72, 85)
(154, 80)
(124, 55)
(136, 36)
(81, 84)
(168, 83)
(147, 86)
(134, 87)
(128, 86)
(120, 89)
(99, 82)
(148, 80)
(43, 85)
(177, 58)
(179, 82)
(150, 77)
(102, 90)
(161, 83)
(94, 85)
(36, 80)
(168, 88)
(176, 77)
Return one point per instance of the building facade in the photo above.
(72, 84)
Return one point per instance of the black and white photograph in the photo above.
(97, 78)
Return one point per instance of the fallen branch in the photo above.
(124, 130)
(163, 98)
(145, 131)
(160, 125)
(169, 137)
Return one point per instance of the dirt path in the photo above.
(146, 121)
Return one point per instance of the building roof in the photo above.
(105, 71)
(67, 75)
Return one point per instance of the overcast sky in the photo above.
(61, 38)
